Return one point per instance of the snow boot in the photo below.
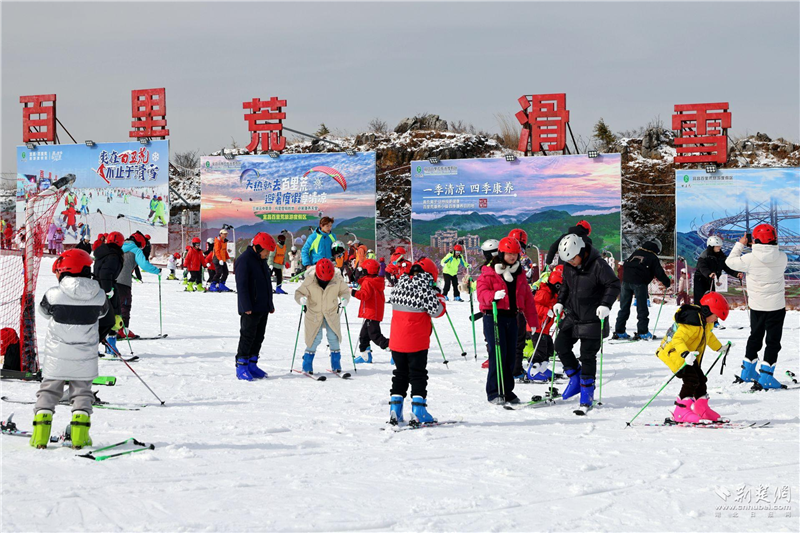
(749, 372)
(643, 336)
(574, 385)
(79, 430)
(683, 411)
(446, 299)
(766, 379)
(190, 287)
(419, 411)
(587, 392)
(243, 369)
(702, 409)
(252, 367)
(171, 277)
(112, 350)
(223, 288)
(336, 360)
(396, 409)
(279, 290)
(364, 357)
(213, 287)
(42, 424)
(616, 336)
(308, 362)
(539, 372)
(457, 299)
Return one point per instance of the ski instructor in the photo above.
(254, 293)
(319, 243)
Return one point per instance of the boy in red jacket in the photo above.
(371, 310)
(545, 298)
(415, 299)
(193, 263)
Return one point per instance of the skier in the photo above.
(132, 249)
(172, 265)
(683, 289)
(160, 212)
(73, 309)
(108, 262)
(359, 254)
(582, 229)
(254, 303)
(318, 245)
(382, 268)
(489, 249)
(51, 238)
(371, 254)
(521, 236)
(710, 265)
(84, 204)
(277, 258)
(153, 205)
(101, 239)
(339, 258)
(320, 295)
(545, 298)
(587, 293)
(766, 288)
(415, 300)
(84, 245)
(501, 282)
(640, 268)
(220, 261)
(294, 261)
(371, 310)
(58, 240)
(398, 265)
(450, 265)
(209, 258)
(686, 342)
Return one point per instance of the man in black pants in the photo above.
(254, 295)
(710, 265)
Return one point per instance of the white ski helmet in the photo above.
(294, 249)
(337, 248)
(489, 248)
(714, 241)
(570, 246)
(658, 244)
(210, 240)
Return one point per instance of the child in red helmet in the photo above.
(172, 265)
(415, 300)
(322, 295)
(545, 298)
(73, 310)
(682, 351)
(193, 263)
(371, 310)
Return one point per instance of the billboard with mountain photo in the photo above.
(472, 200)
(255, 193)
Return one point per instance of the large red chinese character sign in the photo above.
(268, 134)
(544, 119)
(702, 132)
(43, 127)
(149, 108)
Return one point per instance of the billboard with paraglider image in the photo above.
(289, 195)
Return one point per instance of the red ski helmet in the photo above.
(265, 241)
(717, 304)
(147, 237)
(509, 245)
(584, 224)
(371, 266)
(557, 275)
(115, 237)
(73, 261)
(428, 266)
(765, 234)
(519, 234)
(196, 240)
(458, 248)
(400, 250)
(102, 237)
(382, 259)
(176, 255)
(139, 240)
(324, 269)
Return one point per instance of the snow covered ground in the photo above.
(291, 454)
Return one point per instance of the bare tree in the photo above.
(186, 160)
(509, 130)
(377, 125)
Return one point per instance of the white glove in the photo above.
(303, 300)
(724, 347)
(345, 301)
(499, 295)
(602, 312)
(558, 309)
(690, 358)
(208, 265)
(550, 313)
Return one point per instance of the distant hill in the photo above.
(462, 223)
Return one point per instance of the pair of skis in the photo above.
(396, 428)
(97, 404)
(339, 374)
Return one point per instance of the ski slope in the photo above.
(291, 454)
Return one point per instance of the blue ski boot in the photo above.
(766, 379)
(243, 369)
(542, 373)
(256, 372)
(364, 357)
(223, 288)
(749, 372)
(113, 342)
(213, 287)
(457, 299)
(391, 360)
(620, 336)
(396, 409)
(643, 336)
(336, 360)
(308, 362)
(419, 411)
(587, 392)
(279, 290)
(446, 299)
(574, 385)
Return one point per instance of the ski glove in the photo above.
(724, 347)
(602, 312)
(690, 358)
(499, 295)
(558, 309)
(303, 300)
(118, 323)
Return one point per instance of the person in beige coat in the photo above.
(322, 295)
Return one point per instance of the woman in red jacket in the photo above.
(371, 310)
(502, 281)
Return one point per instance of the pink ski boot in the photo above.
(702, 410)
(683, 411)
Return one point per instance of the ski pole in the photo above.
(160, 314)
(127, 337)
(440, 345)
(501, 385)
(553, 364)
(131, 369)
(349, 338)
(744, 292)
(663, 299)
(297, 338)
(472, 312)
(463, 353)
(530, 364)
(600, 398)
(656, 394)
(724, 355)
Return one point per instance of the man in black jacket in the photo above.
(640, 268)
(254, 293)
(710, 265)
(582, 229)
(587, 293)
(108, 261)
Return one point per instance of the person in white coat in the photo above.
(766, 292)
(73, 310)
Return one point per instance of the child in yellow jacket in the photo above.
(686, 342)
